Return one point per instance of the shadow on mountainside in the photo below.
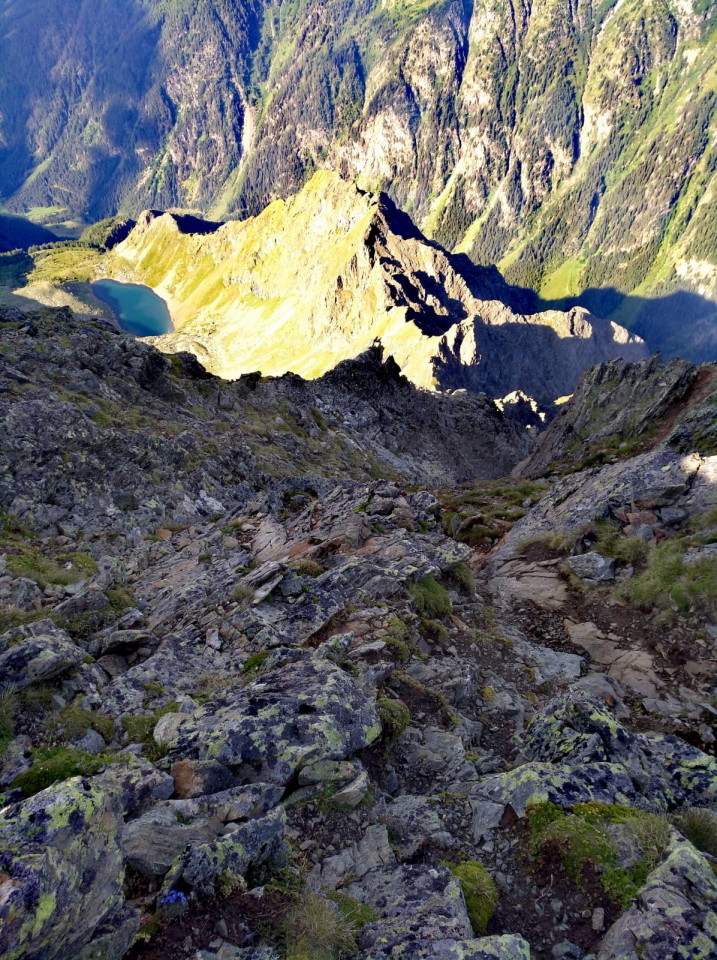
(680, 323)
(532, 358)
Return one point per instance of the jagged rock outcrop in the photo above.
(617, 406)
(315, 280)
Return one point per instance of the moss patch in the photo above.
(582, 840)
(394, 716)
(54, 764)
(480, 892)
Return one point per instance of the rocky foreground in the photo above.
(286, 672)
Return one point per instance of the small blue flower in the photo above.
(174, 898)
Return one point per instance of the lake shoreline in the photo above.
(135, 307)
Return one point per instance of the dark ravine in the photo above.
(271, 637)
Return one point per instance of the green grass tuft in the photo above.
(9, 704)
(670, 584)
(432, 600)
(255, 662)
(316, 928)
(699, 826)
(462, 574)
(611, 542)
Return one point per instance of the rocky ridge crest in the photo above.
(316, 279)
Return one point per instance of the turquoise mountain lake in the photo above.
(138, 309)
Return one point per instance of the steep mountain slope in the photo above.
(592, 169)
(620, 409)
(259, 691)
(316, 279)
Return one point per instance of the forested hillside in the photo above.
(572, 143)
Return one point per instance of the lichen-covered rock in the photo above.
(673, 916)
(112, 938)
(581, 732)
(372, 852)
(307, 711)
(232, 854)
(26, 660)
(423, 916)
(560, 784)
(414, 903)
(61, 874)
(653, 479)
(137, 784)
(195, 778)
(412, 822)
(230, 806)
(592, 566)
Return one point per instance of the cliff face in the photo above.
(592, 169)
(316, 279)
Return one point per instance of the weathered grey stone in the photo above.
(137, 783)
(584, 735)
(167, 727)
(350, 796)
(412, 822)
(593, 566)
(372, 852)
(91, 742)
(327, 771)
(251, 843)
(153, 842)
(672, 516)
(38, 658)
(506, 947)
(305, 712)
(195, 778)
(25, 594)
(486, 817)
(414, 903)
